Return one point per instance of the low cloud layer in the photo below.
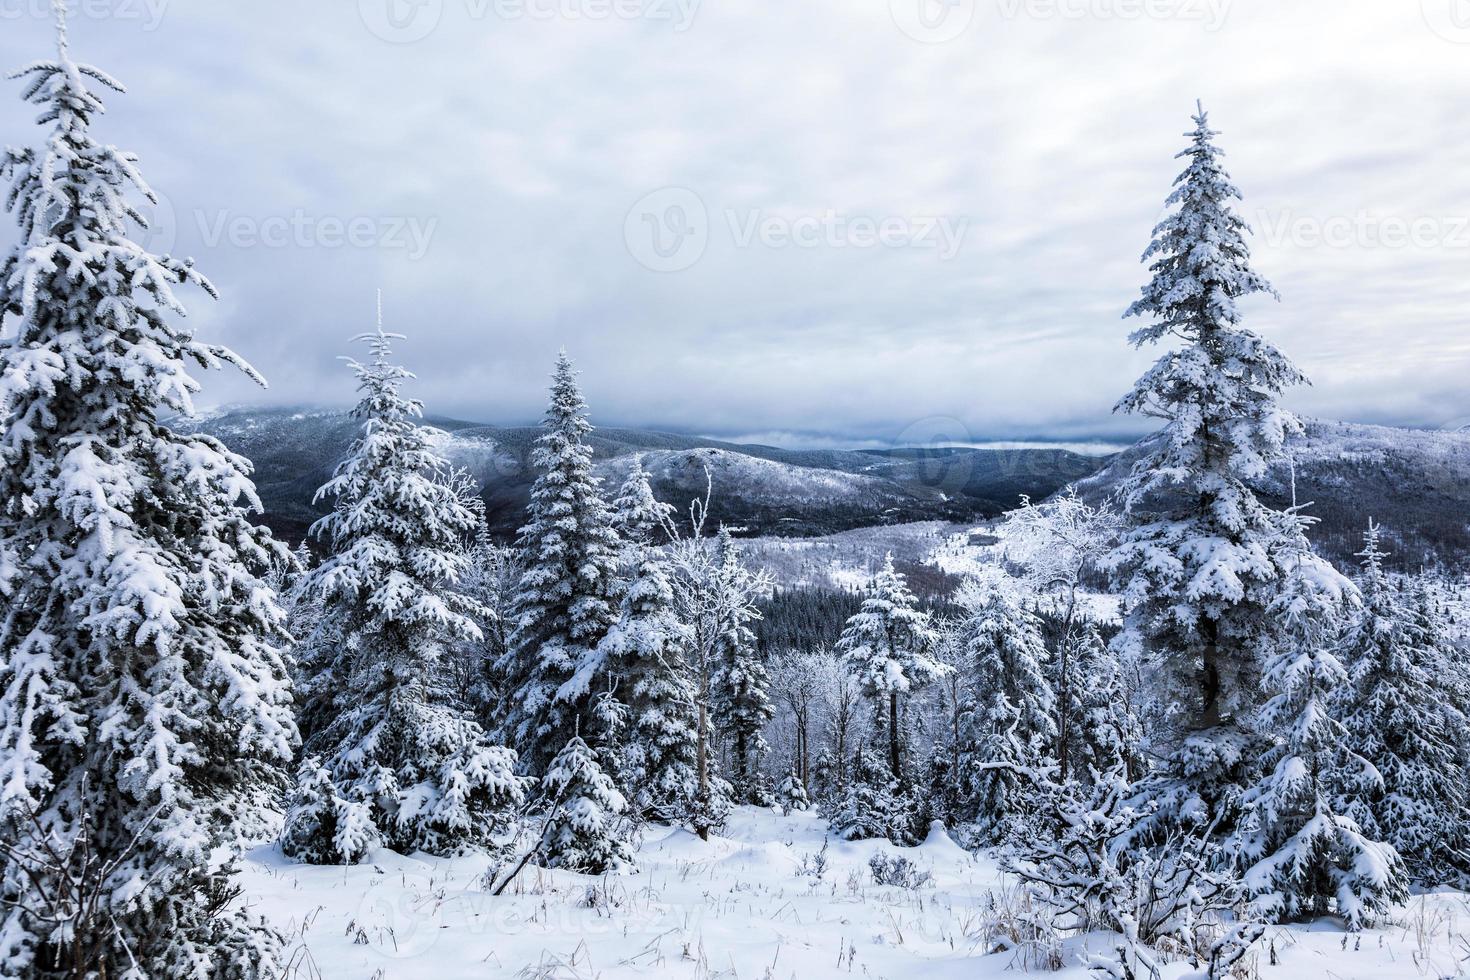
(860, 221)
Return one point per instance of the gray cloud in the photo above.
(486, 174)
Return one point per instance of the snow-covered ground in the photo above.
(747, 906)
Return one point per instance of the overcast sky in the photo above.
(805, 221)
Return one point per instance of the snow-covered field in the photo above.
(747, 906)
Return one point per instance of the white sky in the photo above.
(531, 145)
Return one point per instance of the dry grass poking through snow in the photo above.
(765, 902)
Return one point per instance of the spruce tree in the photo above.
(143, 693)
(648, 650)
(1006, 724)
(740, 685)
(1297, 856)
(322, 826)
(1399, 716)
(567, 597)
(1202, 558)
(888, 647)
(383, 716)
(637, 516)
(585, 827)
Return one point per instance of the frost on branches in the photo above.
(143, 693)
(567, 598)
(1401, 718)
(1058, 544)
(1202, 557)
(887, 646)
(378, 708)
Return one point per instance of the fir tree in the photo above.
(143, 693)
(887, 646)
(1296, 854)
(382, 714)
(649, 650)
(1202, 557)
(1006, 725)
(1103, 733)
(567, 597)
(740, 685)
(792, 794)
(638, 517)
(872, 805)
(322, 827)
(585, 825)
(1399, 718)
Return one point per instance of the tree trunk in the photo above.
(893, 760)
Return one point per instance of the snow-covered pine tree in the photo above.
(649, 649)
(638, 517)
(567, 597)
(871, 804)
(586, 825)
(322, 827)
(740, 685)
(791, 794)
(888, 646)
(1298, 857)
(1201, 557)
(1006, 725)
(143, 694)
(1397, 716)
(1105, 732)
(378, 707)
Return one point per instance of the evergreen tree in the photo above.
(887, 646)
(1103, 732)
(1296, 854)
(584, 828)
(379, 707)
(1202, 557)
(637, 516)
(1006, 725)
(740, 684)
(322, 827)
(567, 597)
(872, 805)
(1399, 718)
(143, 693)
(792, 794)
(648, 649)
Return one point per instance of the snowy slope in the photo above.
(739, 906)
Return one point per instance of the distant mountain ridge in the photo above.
(1415, 482)
(763, 489)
